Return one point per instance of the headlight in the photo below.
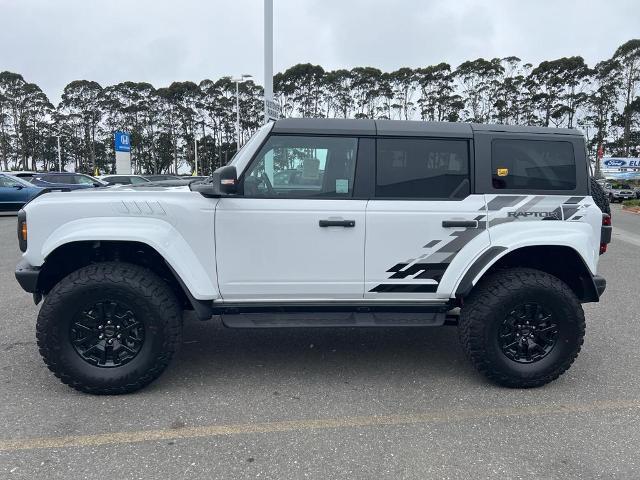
(22, 230)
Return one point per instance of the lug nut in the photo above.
(108, 322)
(119, 337)
(100, 327)
(118, 327)
(110, 341)
(100, 336)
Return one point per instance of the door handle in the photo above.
(460, 223)
(337, 223)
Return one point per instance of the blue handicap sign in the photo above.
(122, 142)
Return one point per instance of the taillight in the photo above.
(605, 232)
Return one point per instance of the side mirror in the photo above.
(222, 182)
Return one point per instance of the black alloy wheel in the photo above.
(528, 333)
(107, 334)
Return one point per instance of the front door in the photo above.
(294, 233)
(424, 225)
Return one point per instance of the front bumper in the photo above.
(27, 276)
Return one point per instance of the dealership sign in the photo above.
(615, 162)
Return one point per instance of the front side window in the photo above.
(298, 167)
(422, 168)
(8, 182)
(533, 165)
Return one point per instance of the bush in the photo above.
(631, 203)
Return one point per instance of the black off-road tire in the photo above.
(150, 301)
(599, 196)
(493, 300)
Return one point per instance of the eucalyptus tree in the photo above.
(628, 57)
(365, 87)
(81, 102)
(438, 100)
(478, 80)
(337, 94)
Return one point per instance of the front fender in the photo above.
(191, 261)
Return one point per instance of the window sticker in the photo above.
(342, 185)
(502, 172)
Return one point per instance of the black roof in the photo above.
(346, 126)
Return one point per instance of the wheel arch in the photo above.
(561, 261)
(71, 256)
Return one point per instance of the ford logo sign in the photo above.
(614, 163)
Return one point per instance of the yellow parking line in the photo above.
(117, 438)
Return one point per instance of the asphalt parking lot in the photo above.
(352, 403)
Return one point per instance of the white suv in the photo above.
(333, 223)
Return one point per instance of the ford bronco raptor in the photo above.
(329, 223)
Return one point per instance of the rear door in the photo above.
(296, 233)
(424, 224)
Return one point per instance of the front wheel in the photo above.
(521, 327)
(109, 328)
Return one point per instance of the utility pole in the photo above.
(268, 56)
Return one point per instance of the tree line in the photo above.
(166, 123)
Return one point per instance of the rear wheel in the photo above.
(109, 328)
(522, 327)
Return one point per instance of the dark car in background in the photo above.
(72, 181)
(15, 192)
(123, 179)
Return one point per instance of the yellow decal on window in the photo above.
(503, 172)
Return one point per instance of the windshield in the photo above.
(242, 157)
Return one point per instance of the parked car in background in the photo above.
(123, 179)
(15, 192)
(155, 178)
(620, 192)
(72, 181)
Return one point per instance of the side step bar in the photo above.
(333, 315)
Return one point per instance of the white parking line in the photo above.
(442, 416)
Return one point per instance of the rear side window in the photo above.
(533, 165)
(422, 168)
(55, 178)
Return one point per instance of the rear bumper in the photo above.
(27, 276)
(600, 283)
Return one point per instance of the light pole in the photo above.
(195, 150)
(268, 57)
(59, 154)
(241, 79)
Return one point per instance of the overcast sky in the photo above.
(52, 42)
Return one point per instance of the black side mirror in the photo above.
(222, 182)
